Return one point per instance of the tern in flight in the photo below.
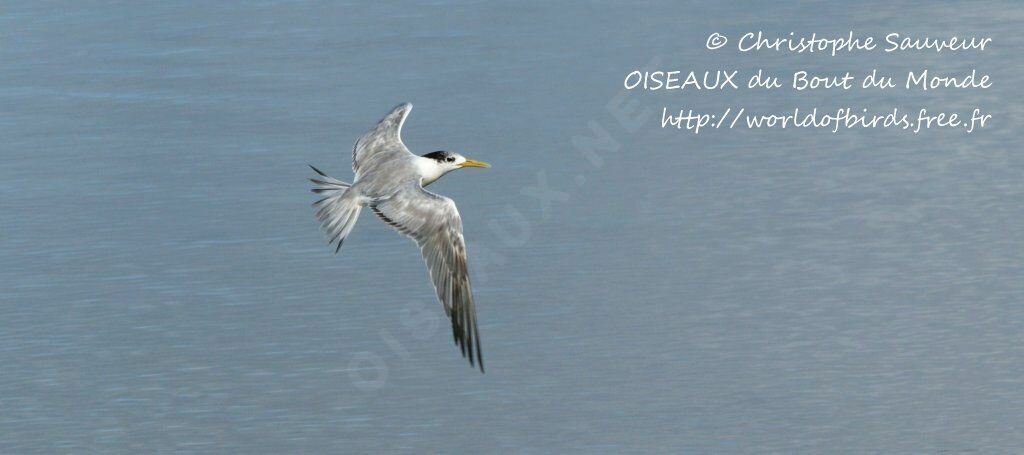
(389, 180)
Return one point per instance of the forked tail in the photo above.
(338, 209)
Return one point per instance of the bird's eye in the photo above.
(449, 159)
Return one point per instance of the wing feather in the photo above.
(433, 222)
(383, 142)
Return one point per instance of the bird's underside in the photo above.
(386, 182)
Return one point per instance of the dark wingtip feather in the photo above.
(336, 250)
(469, 342)
(479, 352)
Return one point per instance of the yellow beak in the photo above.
(474, 163)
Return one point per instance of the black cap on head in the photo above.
(439, 155)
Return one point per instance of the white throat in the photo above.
(429, 170)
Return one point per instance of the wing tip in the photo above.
(479, 353)
(395, 118)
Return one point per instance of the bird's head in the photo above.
(441, 162)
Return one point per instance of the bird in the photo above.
(390, 181)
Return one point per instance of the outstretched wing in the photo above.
(434, 222)
(383, 142)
